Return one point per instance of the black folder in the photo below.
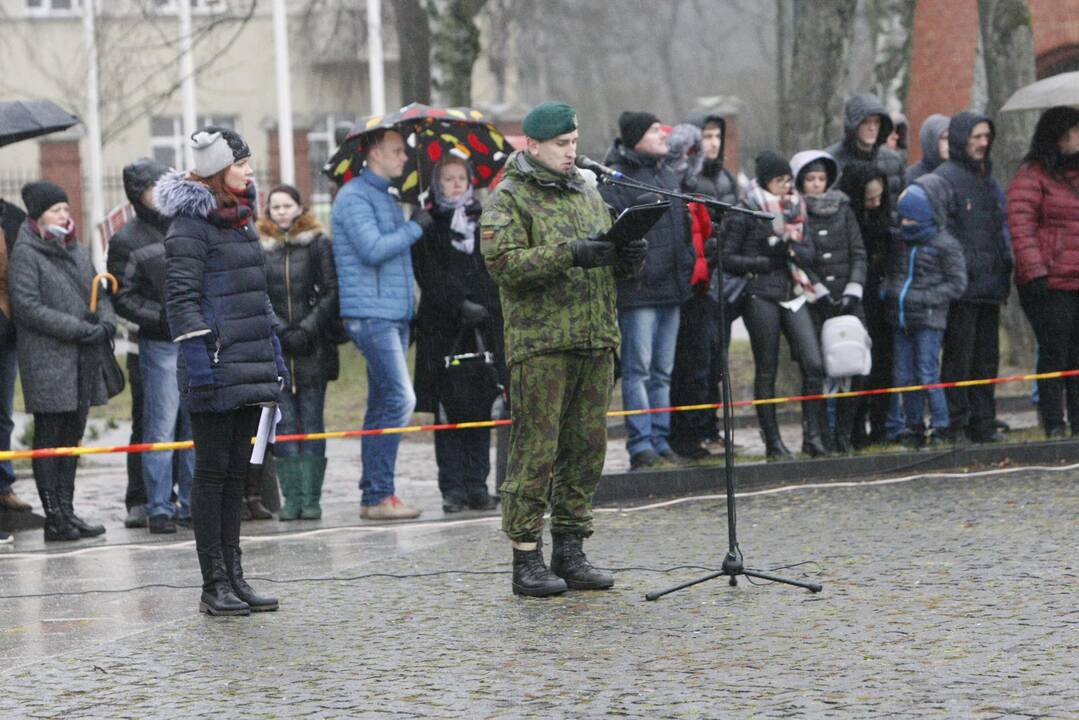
(635, 221)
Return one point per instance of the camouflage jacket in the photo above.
(549, 305)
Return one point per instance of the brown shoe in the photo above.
(389, 509)
(11, 501)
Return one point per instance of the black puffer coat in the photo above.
(748, 252)
(669, 265)
(215, 289)
(148, 228)
(303, 290)
(447, 277)
(975, 205)
(142, 291)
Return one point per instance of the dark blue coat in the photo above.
(669, 265)
(215, 291)
(976, 214)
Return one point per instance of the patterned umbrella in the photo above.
(429, 133)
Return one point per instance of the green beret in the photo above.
(549, 119)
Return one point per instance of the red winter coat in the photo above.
(1043, 215)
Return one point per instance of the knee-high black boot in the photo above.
(232, 506)
(774, 449)
(57, 525)
(813, 421)
(206, 512)
(68, 468)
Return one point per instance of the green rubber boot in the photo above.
(314, 471)
(290, 476)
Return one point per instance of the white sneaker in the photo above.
(389, 509)
(6, 538)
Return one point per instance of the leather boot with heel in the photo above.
(814, 420)
(774, 449)
(569, 562)
(67, 501)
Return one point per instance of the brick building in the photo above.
(945, 48)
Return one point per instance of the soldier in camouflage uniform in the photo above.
(542, 237)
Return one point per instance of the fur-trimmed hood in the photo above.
(304, 230)
(177, 196)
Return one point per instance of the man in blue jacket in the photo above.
(371, 246)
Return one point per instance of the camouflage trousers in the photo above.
(558, 442)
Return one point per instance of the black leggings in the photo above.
(57, 430)
(1055, 319)
(765, 319)
(222, 457)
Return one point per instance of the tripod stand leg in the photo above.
(660, 593)
(812, 587)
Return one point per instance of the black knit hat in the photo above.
(770, 165)
(633, 125)
(40, 196)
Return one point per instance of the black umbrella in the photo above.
(25, 119)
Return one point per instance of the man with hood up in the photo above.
(934, 139)
(867, 126)
(977, 217)
(147, 228)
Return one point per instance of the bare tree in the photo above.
(812, 110)
(893, 30)
(1008, 53)
(455, 47)
(414, 33)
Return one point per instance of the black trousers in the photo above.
(136, 490)
(1055, 319)
(222, 457)
(57, 430)
(882, 333)
(971, 352)
(765, 320)
(464, 462)
(694, 378)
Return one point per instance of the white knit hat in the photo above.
(215, 148)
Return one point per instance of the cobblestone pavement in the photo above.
(943, 597)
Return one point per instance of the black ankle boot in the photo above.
(813, 422)
(67, 499)
(57, 525)
(240, 588)
(217, 596)
(531, 576)
(774, 449)
(568, 562)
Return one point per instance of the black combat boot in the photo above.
(774, 449)
(568, 562)
(67, 499)
(531, 576)
(813, 422)
(240, 588)
(217, 596)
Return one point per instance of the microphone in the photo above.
(585, 163)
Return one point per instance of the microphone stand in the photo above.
(733, 564)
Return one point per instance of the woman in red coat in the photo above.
(1043, 214)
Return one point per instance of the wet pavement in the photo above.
(946, 596)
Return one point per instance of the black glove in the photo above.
(849, 305)
(423, 218)
(1038, 288)
(634, 251)
(294, 341)
(91, 316)
(97, 335)
(710, 247)
(592, 253)
(472, 314)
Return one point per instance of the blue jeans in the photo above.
(649, 336)
(164, 420)
(917, 362)
(8, 367)
(390, 400)
(301, 412)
